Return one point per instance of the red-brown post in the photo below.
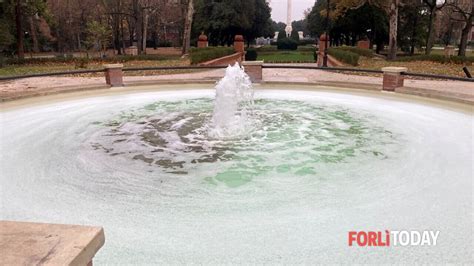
(363, 44)
(392, 78)
(239, 45)
(322, 48)
(202, 41)
(114, 75)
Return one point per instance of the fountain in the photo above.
(232, 176)
(232, 105)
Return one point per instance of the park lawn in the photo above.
(48, 67)
(425, 67)
(285, 57)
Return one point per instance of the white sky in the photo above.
(299, 6)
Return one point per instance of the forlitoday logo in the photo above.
(392, 238)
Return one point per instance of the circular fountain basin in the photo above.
(316, 165)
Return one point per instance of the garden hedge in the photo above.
(199, 55)
(344, 56)
(251, 55)
(359, 51)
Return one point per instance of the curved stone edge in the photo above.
(27, 243)
(463, 99)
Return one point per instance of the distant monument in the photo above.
(288, 28)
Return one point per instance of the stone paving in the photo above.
(457, 90)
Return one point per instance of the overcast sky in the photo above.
(299, 6)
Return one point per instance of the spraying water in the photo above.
(231, 117)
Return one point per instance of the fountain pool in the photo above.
(315, 165)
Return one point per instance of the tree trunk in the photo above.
(413, 35)
(137, 14)
(34, 36)
(392, 43)
(122, 36)
(188, 23)
(464, 35)
(145, 30)
(430, 38)
(19, 30)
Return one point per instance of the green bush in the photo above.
(438, 58)
(287, 44)
(281, 35)
(344, 56)
(359, 51)
(307, 41)
(199, 55)
(251, 55)
(295, 36)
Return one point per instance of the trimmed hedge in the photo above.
(344, 56)
(287, 44)
(438, 58)
(251, 55)
(359, 51)
(199, 55)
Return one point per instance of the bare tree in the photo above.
(463, 11)
(20, 35)
(433, 6)
(187, 27)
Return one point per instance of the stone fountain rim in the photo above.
(203, 85)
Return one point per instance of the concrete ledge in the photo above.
(395, 70)
(113, 66)
(51, 91)
(427, 93)
(24, 243)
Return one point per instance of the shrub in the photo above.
(281, 35)
(81, 62)
(199, 55)
(359, 51)
(251, 55)
(295, 36)
(287, 44)
(344, 56)
(307, 41)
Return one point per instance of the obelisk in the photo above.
(288, 28)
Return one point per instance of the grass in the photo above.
(47, 67)
(270, 54)
(286, 57)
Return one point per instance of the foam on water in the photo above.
(316, 166)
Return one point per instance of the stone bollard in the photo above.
(202, 41)
(392, 78)
(239, 45)
(254, 70)
(114, 75)
(322, 48)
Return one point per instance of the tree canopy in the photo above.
(221, 20)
